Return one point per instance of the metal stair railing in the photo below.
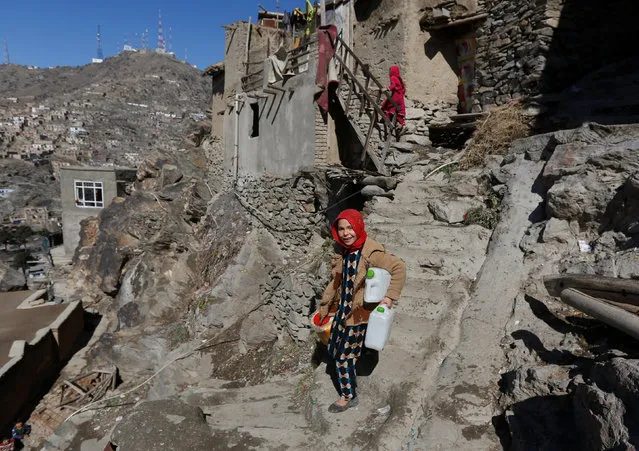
(368, 104)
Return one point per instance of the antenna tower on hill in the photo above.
(170, 39)
(99, 53)
(6, 53)
(161, 42)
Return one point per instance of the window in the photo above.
(88, 194)
(255, 130)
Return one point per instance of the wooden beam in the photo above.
(274, 87)
(626, 287)
(456, 23)
(74, 387)
(466, 116)
(609, 314)
(371, 127)
(248, 42)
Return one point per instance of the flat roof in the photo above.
(96, 168)
(22, 324)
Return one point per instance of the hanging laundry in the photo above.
(326, 72)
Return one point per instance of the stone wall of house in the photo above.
(530, 47)
(388, 33)
(285, 206)
(511, 46)
(262, 42)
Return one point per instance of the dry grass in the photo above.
(503, 125)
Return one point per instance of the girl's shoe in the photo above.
(336, 408)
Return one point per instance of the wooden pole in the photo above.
(322, 12)
(555, 284)
(611, 315)
(248, 42)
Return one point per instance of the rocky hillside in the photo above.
(133, 105)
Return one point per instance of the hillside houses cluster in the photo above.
(33, 132)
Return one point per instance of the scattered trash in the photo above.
(384, 410)
(118, 418)
(97, 428)
(584, 246)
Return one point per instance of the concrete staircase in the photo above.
(442, 262)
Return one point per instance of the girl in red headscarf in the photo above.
(398, 91)
(344, 298)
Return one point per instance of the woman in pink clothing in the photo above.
(398, 91)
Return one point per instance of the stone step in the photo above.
(267, 412)
(377, 219)
(430, 238)
(407, 211)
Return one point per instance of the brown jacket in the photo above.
(373, 255)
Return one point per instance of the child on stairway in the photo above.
(344, 298)
(397, 90)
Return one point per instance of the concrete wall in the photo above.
(286, 141)
(34, 363)
(388, 33)
(343, 17)
(66, 329)
(71, 213)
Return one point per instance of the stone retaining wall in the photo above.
(293, 296)
(285, 206)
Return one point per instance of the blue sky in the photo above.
(63, 33)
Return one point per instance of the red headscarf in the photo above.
(356, 221)
(396, 81)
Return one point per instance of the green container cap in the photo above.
(381, 309)
(370, 273)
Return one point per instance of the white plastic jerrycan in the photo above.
(376, 285)
(379, 326)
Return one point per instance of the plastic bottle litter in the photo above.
(376, 285)
(379, 326)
